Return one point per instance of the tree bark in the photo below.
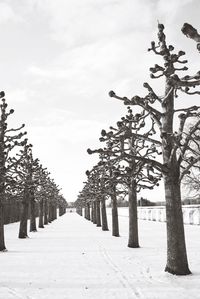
(94, 212)
(62, 210)
(85, 211)
(104, 215)
(46, 213)
(41, 213)
(91, 211)
(88, 211)
(2, 239)
(98, 214)
(177, 262)
(24, 214)
(176, 249)
(115, 223)
(32, 216)
(24, 221)
(133, 240)
(54, 211)
(50, 213)
(80, 211)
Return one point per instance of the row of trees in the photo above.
(26, 188)
(154, 141)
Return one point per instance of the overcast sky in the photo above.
(59, 59)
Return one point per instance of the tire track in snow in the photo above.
(121, 277)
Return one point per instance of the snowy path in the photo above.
(72, 258)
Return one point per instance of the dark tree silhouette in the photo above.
(110, 180)
(40, 194)
(96, 185)
(26, 171)
(175, 144)
(9, 139)
(62, 203)
(128, 140)
(135, 139)
(192, 33)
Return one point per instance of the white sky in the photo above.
(60, 58)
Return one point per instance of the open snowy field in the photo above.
(72, 258)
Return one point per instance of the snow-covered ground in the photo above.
(72, 258)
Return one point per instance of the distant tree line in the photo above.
(27, 190)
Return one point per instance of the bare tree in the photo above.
(9, 139)
(62, 205)
(25, 171)
(40, 192)
(97, 191)
(174, 143)
(128, 140)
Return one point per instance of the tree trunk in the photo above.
(2, 182)
(80, 211)
(50, 216)
(176, 249)
(98, 214)
(62, 210)
(115, 224)
(46, 213)
(2, 239)
(177, 262)
(104, 215)
(94, 212)
(7, 212)
(24, 221)
(24, 214)
(54, 212)
(32, 216)
(41, 213)
(88, 211)
(91, 211)
(133, 221)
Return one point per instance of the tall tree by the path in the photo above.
(25, 172)
(132, 138)
(111, 180)
(97, 185)
(175, 143)
(9, 139)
